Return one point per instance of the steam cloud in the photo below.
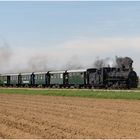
(5, 55)
(120, 62)
(98, 63)
(39, 62)
(73, 63)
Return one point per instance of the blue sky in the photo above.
(56, 26)
(59, 21)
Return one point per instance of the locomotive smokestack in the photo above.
(124, 62)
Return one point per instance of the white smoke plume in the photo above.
(5, 55)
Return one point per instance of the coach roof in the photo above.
(82, 70)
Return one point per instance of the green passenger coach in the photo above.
(41, 79)
(27, 79)
(4, 80)
(76, 78)
(14, 79)
(57, 78)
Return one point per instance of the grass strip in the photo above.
(90, 93)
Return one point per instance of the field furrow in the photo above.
(38, 116)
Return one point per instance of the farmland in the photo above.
(54, 113)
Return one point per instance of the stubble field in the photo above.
(40, 116)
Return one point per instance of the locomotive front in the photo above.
(132, 80)
(121, 76)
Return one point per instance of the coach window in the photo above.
(82, 75)
(54, 75)
(40, 76)
(51, 75)
(61, 75)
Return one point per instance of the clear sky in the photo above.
(56, 33)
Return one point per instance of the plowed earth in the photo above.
(37, 116)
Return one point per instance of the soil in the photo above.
(50, 117)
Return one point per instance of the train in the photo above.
(118, 77)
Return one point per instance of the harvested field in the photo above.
(38, 116)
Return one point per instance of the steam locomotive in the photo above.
(121, 76)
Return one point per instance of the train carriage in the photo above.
(57, 78)
(27, 79)
(14, 79)
(4, 80)
(77, 78)
(41, 79)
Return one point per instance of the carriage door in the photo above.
(32, 79)
(66, 79)
(8, 80)
(47, 79)
(19, 79)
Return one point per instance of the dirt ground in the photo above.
(38, 116)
